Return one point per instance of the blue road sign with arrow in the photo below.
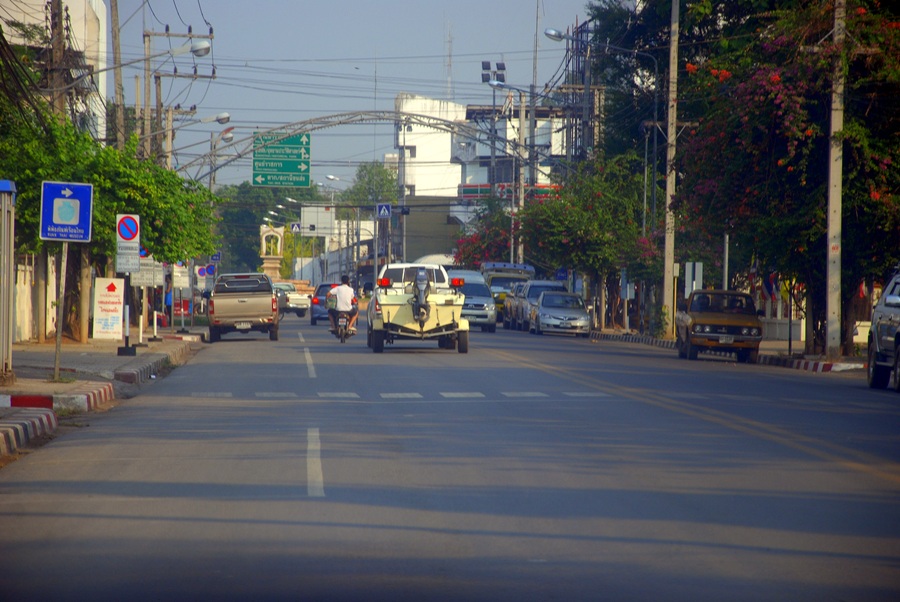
(66, 211)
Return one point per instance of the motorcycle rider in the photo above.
(343, 297)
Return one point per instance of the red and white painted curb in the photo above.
(83, 398)
(18, 428)
(770, 360)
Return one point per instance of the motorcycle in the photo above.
(343, 331)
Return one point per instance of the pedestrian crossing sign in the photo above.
(383, 211)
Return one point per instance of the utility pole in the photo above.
(835, 189)
(117, 75)
(672, 118)
(57, 56)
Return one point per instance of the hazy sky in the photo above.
(284, 61)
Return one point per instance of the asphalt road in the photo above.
(531, 468)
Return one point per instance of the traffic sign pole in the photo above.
(66, 215)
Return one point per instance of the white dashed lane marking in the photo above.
(462, 395)
(401, 395)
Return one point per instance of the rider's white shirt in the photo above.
(343, 295)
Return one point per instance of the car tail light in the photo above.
(457, 282)
(315, 300)
(211, 307)
(385, 282)
(377, 307)
(274, 304)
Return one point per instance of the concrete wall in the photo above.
(24, 301)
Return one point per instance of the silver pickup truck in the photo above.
(243, 303)
(884, 339)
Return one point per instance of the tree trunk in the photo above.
(84, 289)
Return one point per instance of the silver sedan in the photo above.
(560, 312)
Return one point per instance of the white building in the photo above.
(436, 163)
(85, 50)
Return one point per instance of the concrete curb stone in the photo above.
(21, 426)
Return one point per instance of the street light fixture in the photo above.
(487, 76)
(197, 47)
(225, 136)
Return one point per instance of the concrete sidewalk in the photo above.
(90, 374)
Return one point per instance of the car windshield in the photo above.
(408, 274)
(563, 301)
(475, 289)
(246, 284)
(285, 287)
(323, 289)
(503, 284)
(723, 303)
(535, 291)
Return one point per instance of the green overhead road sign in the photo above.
(283, 162)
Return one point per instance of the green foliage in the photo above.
(593, 224)
(244, 209)
(176, 215)
(374, 183)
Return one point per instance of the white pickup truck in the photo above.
(417, 302)
(243, 303)
(884, 339)
(295, 301)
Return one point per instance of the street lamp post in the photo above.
(520, 174)
(223, 136)
(197, 47)
(557, 35)
(586, 130)
(170, 129)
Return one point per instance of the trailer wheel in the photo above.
(377, 341)
(462, 341)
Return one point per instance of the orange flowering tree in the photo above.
(756, 164)
(487, 238)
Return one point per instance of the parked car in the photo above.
(510, 299)
(884, 339)
(527, 300)
(718, 320)
(317, 308)
(500, 278)
(560, 312)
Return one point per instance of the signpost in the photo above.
(128, 259)
(66, 215)
(128, 243)
(281, 162)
